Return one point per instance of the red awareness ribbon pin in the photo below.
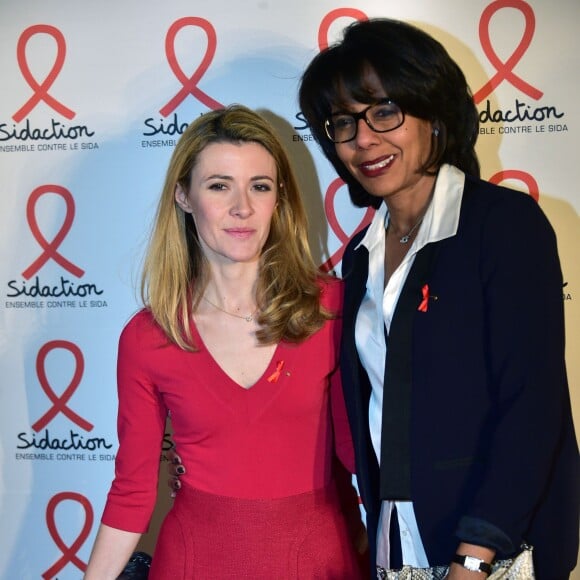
(425, 302)
(273, 378)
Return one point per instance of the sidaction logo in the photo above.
(522, 117)
(22, 135)
(524, 177)
(31, 292)
(69, 552)
(74, 446)
(338, 230)
(166, 131)
(323, 42)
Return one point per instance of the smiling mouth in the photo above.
(376, 166)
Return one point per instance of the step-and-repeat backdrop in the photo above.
(94, 96)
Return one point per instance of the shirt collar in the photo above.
(441, 218)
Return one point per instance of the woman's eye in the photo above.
(263, 187)
(217, 186)
(342, 122)
(383, 112)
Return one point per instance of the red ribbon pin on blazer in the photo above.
(425, 301)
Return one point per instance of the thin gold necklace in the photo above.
(247, 318)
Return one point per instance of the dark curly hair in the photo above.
(415, 71)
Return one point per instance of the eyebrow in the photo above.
(230, 177)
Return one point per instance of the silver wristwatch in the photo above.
(472, 563)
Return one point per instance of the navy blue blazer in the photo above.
(487, 428)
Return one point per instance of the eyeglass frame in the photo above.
(363, 115)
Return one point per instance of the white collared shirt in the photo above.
(375, 314)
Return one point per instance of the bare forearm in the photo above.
(111, 552)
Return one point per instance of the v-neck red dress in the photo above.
(257, 500)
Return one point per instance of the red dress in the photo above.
(258, 499)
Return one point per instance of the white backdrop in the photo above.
(93, 98)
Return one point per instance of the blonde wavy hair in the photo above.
(175, 271)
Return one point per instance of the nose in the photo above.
(365, 136)
(242, 204)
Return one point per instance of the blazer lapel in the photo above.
(355, 381)
(395, 434)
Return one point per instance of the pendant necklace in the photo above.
(405, 239)
(248, 318)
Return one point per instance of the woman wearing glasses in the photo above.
(453, 337)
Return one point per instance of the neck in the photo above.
(233, 291)
(235, 282)
(407, 210)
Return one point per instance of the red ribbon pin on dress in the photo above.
(276, 374)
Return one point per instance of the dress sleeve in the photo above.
(140, 427)
(333, 299)
(522, 292)
(342, 435)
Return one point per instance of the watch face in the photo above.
(472, 563)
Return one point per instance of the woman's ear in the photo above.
(181, 199)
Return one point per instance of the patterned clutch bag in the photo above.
(519, 568)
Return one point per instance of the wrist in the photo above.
(472, 563)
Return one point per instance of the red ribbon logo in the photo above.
(522, 176)
(41, 90)
(189, 85)
(425, 301)
(273, 378)
(505, 70)
(331, 17)
(343, 237)
(50, 248)
(59, 403)
(69, 553)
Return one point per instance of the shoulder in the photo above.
(331, 293)
(510, 232)
(484, 194)
(142, 331)
(501, 207)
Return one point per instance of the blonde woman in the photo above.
(238, 342)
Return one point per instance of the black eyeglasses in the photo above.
(381, 117)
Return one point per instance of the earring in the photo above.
(435, 131)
